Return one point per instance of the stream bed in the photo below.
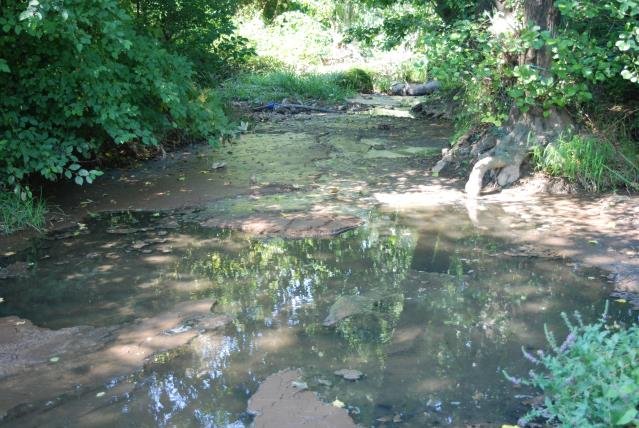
(431, 316)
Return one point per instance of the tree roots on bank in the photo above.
(502, 150)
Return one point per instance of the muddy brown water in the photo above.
(458, 305)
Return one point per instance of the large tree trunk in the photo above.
(522, 131)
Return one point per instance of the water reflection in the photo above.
(430, 314)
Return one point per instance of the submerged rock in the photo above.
(15, 270)
(280, 403)
(349, 374)
(290, 226)
(347, 306)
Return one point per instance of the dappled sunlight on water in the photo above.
(430, 308)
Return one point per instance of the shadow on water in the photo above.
(430, 313)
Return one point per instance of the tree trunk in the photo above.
(544, 14)
(522, 131)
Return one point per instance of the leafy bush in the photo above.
(595, 165)
(201, 30)
(357, 80)
(591, 380)
(77, 73)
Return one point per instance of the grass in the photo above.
(595, 164)
(262, 88)
(17, 214)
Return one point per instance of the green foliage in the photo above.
(592, 379)
(275, 86)
(201, 30)
(595, 165)
(18, 213)
(76, 74)
(263, 64)
(357, 80)
(595, 45)
(294, 38)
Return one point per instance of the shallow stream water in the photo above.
(453, 307)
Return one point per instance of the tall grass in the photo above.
(261, 88)
(595, 164)
(17, 214)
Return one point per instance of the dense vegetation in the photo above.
(504, 59)
(140, 72)
(86, 73)
(591, 379)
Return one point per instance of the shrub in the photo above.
(77, 73)
(591, 380)
(357, 80)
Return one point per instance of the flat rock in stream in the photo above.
(24, 345)
(278, 403)
(288, 226)
(40, 365)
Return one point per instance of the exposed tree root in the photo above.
(504, 149)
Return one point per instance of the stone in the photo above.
(278, 403)
(349, 374)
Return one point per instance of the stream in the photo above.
(314, 242)
(454, 311)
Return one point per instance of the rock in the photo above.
(15, 270)
(349, 374)
(88, 357)
(290, 226)
(218, 165)
(24, 345)
(344, 307)
(124, 230)
(212, 322)
(279, 404)
(347, 306)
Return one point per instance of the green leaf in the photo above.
(79, 180)
(627, 417)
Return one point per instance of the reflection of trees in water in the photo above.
(473, 312)
(271, 277)
(268, 281)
